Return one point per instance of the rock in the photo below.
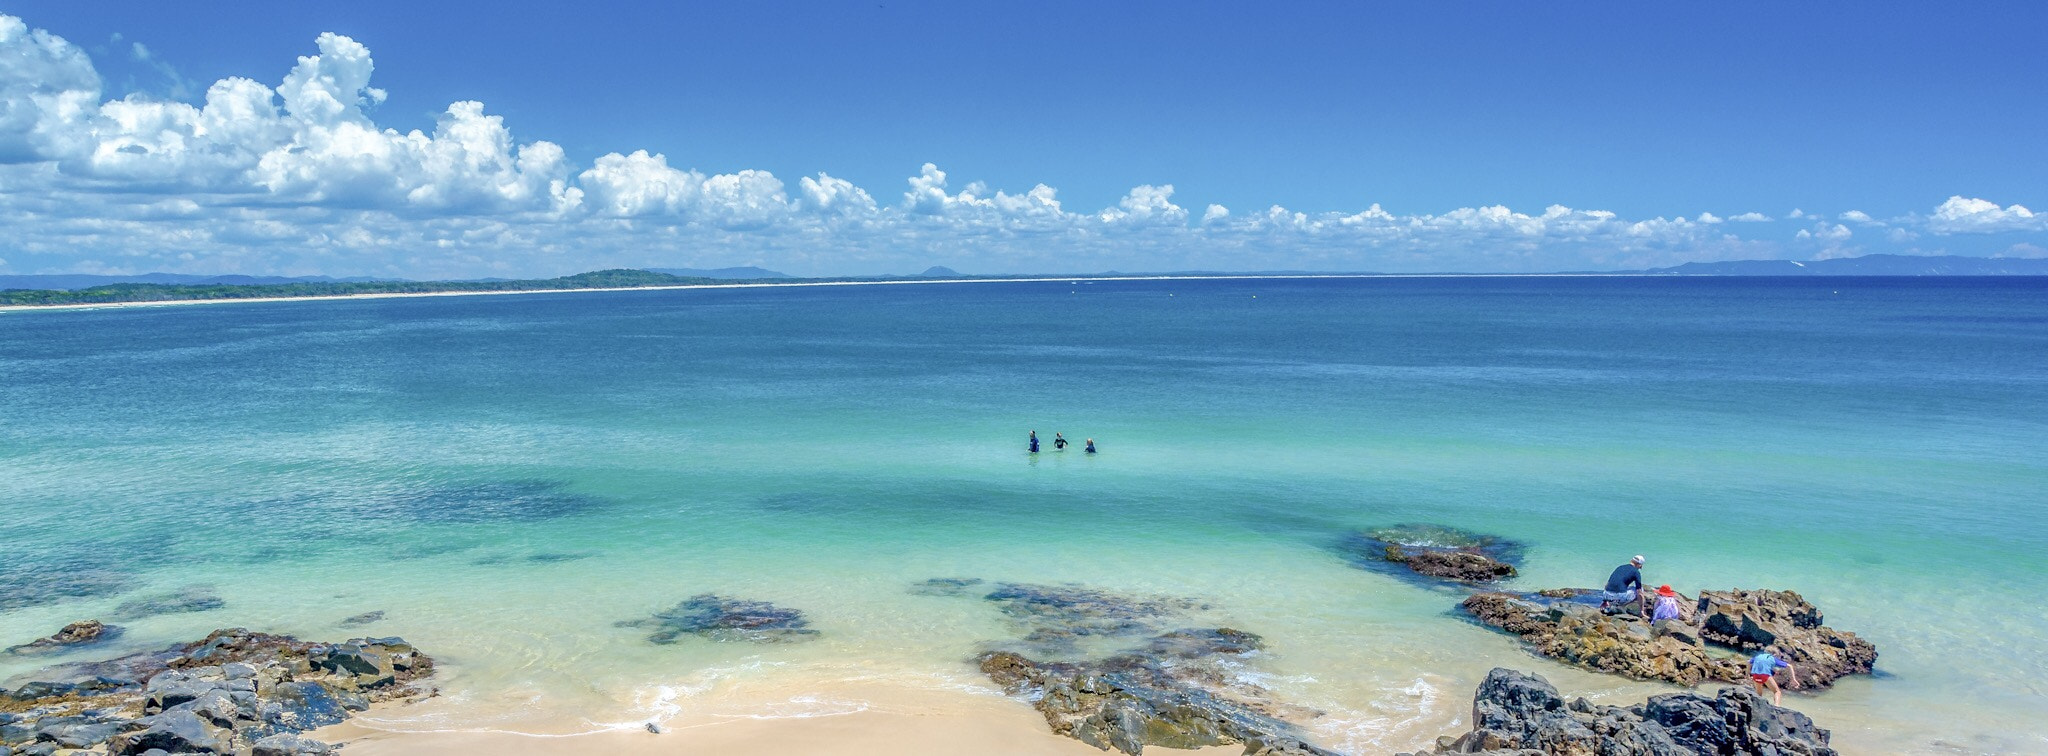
(173, 688)
(1055, 619)
(1579, 634)
(1520, 713)
(1748, 620)
(947, 586)
(38, 749)
(720, 618)
(1434, 551)
(366, 618)
(300, 706)
(82, 735)
(197, 598)
(1159, 697)
(217, 707)
(176, 732)
(76, 634)
(289, 745)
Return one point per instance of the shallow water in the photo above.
(508, 477)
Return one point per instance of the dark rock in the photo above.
(176, 732)
(1172, 695)
(38, 749)
(173, 688)
(39, 579)
(365, 618)
(1434, 551)
(1054, 619)
(947, 587)
(289, 745)
(81, 735)
(217, 707)
(720, 618)
(74, 635)
(300, 706)
(1520, 713)
(196, 598)
(1749, 620)
(1579, 634)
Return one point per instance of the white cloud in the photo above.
(300, 178)
(1976, 216)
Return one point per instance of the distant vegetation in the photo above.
(143, 292)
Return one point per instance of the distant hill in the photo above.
(939, 271)
(721, 273)
(1867, 265)
(72, 281)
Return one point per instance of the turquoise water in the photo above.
(506, 477)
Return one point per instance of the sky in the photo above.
(427, 140)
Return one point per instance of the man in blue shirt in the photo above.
(1763, 668)
(1626, 585)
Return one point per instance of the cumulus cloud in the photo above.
(1977, 216)
(296, 176)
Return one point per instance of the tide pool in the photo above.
(507, 478)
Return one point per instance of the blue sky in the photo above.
(1070, 136)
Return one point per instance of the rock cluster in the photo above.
(1174, 692)
(724, 619)
(1751, 620)
(1687, 651)
(1435, 551)
(1521, 714)
(235, 692)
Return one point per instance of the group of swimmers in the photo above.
(1625, 586)
(1059, 443)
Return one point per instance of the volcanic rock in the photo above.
(724, 619)
(1519, 713)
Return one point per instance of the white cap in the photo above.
(1638, 559)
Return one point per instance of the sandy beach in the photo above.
(895, 721)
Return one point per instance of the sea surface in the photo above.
(507, 478)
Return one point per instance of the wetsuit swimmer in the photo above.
(1059, 442)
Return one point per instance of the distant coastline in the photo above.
(149, 291)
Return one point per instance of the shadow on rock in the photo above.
(1433, 553)
(1523, 714)
(724, 619)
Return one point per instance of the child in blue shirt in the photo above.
(1763, 668)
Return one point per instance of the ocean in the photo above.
(509, 478)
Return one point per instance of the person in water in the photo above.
(1034, 442)
(1626, 585)
(1091, 446)
(1059, 442)
(1668, 606)
(1763, 668)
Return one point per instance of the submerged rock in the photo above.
(1053, 619)
(1435, 551)
(30, 581)
(235, 692)
(720, 618)
(1174, 693)
(75, 635)
(1576, 633)
(948, 587)
(1521, 713)
(1749, 620)
(196, 598)
(366, 618)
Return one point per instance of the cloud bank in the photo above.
(297, 177)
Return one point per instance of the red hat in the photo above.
(1665, 590)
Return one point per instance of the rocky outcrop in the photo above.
(235, 692)
(1516, 713)
(1752, 620)
(1622, 644)
(1175, 692)
(724, 619)
(1435, 551)
(75, 635)
(1558, 625)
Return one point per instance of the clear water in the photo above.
(506, 477)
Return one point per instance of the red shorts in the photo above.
(1760, 679)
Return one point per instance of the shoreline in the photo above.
(790, 284)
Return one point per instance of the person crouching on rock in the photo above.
(1763, 668)
(1668, 606)
(1626, 586)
